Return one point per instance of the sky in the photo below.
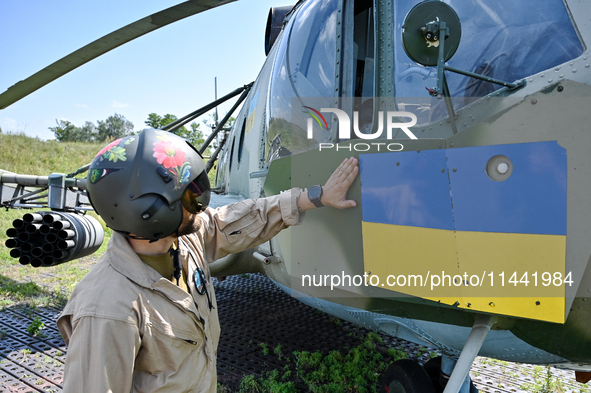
(170, 70)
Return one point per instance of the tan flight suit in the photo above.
(128, 329)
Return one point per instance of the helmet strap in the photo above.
(175, 252)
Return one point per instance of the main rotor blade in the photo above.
(103, 45)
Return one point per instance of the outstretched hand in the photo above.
(335, 190)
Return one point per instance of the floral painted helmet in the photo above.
(139, 184)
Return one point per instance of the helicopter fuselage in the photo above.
(491, 192)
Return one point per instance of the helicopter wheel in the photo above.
(433, 369)
(406, 376)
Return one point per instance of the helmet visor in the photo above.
(196, 196)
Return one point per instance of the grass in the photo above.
(546, 382)
(51, 286)
(357, 370)
(32, 156)
(346, 371)
(542, 379)
(543, 382)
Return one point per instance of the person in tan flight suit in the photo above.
(145, 319)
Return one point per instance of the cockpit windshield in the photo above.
(504, 39)
(304, 67)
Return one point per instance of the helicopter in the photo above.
(469, 121)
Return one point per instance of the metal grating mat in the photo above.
(30, 363)
(254, 313)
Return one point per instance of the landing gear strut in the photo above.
(461, 369)
(447, 375)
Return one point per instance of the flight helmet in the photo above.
(139, 184)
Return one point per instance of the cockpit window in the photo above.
(304, 67)
(311, 50)
(505, 39)
(363, 62)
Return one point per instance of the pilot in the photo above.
(145, 319)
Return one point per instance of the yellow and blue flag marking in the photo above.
(438, 212)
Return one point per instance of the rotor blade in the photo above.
(103, 45)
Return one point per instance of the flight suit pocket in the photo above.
(171, 357)
(165, 347)
(241, 229)
(193, 338)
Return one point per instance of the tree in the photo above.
(65, 131)
(154, 121)
(193, 135)
(88, 132)
(196, 135)
(158, 122)
(213, 122)
(196, 138)
(113, 127)
(116, 126)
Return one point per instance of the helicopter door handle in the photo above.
(254, 175)
(266, 259)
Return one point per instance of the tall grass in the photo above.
(32, 156)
